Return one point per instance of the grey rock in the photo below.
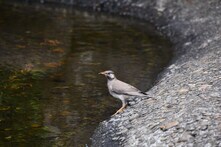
(184, 137)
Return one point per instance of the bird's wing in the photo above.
(120, 87)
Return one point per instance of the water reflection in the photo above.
(72, 99)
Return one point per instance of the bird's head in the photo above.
(109, 74)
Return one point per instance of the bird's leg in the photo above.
(124, 105)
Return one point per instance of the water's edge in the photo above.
(193, 27)
(63, 49)
(182, 113)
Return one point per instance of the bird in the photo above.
(120, 89)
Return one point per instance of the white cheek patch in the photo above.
(111, 76)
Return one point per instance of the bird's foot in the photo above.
(118, 111)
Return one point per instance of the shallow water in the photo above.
(51, 93)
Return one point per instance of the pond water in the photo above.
(50, 90)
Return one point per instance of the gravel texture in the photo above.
(186, 110)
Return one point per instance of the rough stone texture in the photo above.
(187, 109)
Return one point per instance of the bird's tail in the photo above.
(145, 95)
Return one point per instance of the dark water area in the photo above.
(50, 57)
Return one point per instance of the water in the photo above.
(50, 91)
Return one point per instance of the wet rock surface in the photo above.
(187, 106)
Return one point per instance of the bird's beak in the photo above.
(101, 73)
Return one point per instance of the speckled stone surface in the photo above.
(186, 110)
